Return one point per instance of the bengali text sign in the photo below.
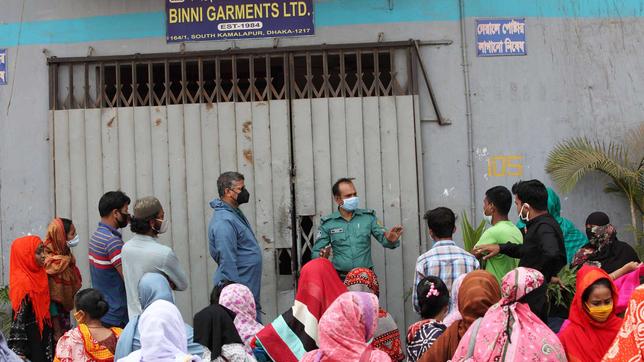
(495, 37)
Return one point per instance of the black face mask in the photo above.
(243, 196)
(123, 221)
(589, 233)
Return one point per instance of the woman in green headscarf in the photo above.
(573, 238)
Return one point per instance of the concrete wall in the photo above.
(582, 76)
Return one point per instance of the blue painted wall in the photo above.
(328, 13)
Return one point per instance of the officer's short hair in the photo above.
(226, 179)
(336, 186)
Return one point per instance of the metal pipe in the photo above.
(468, 109)
(314, 49)
(432, 97)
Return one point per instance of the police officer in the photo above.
(347, 232)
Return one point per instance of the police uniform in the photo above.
(351, 240)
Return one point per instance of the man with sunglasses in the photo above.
(232, 242)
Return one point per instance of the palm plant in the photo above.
(471, 235)
(573, 159)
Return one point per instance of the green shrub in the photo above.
(470, 235)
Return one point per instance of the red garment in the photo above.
(387, 337)
(586, 340)
(363, 276)
(27, 278)
(629, 344)
(318, 286)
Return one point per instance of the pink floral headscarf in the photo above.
(509, 331)
(345, 328)
(239, 299)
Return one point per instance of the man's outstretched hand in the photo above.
(486, 251)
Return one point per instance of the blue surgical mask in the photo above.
(351, 204)
(75, 241)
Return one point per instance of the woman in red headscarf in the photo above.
(387, 334)
(295, 332)
(30, 335)
(64, 277)
(593, 323)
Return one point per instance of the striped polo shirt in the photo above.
(104, 256)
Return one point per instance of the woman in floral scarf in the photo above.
(387, 337)
(629, 344)
(90, 341)
(64, 277)
(509, 331)
(239, 299)
(604, 250)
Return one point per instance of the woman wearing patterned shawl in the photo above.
(345, 330)
(239, 299)
(629, 344)
(64, 277)
(509, 331)
(479, 291)
(90, 341)
(295, 332)
(387, 337)
(604, 250)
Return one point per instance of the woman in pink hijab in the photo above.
(239, 299)
(509, 331)
(345, 330)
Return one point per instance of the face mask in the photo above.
(589, 233)
(164, 226)
(487, 218)
(75, 241)
(351, 203)
(243, 196)
(123, 221)
(600, 313)
(525, 218)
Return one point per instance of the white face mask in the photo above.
(487, 218)
(75, 241)
(164, 226)
(525, 218)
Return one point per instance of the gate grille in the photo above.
(229, 76)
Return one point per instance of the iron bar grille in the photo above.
(243, 76)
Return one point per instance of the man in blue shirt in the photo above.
(232, 242)
(105, 256)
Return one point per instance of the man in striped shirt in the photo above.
(444, 260)
(105, 256)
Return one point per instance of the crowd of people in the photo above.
(487, 304)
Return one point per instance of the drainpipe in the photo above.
(468, 109)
